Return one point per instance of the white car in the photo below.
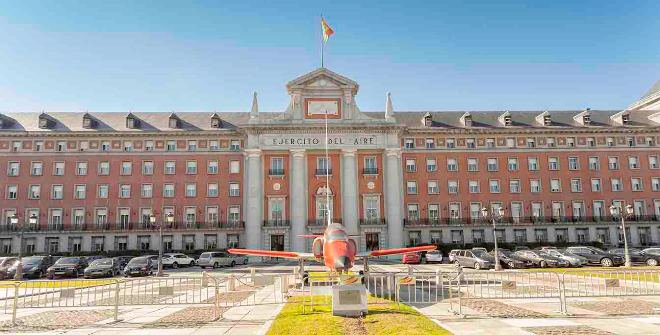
(216, 259)
(434, 256)
(176, 260)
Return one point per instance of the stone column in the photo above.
(393, 198)
(349, 191)
(254, 198)
(298, 192)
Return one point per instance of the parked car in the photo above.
(479, 249)
(412, 258)
(434, 256)
(104, 267)
(216, 259)
(652, 250)
(573, 259)
(90, 259)
(452, 254)
(67, 267)
(541, 259)
(123, 260)
(509, 260)
(520, 247)
(33, 267)
(596, 256)
(5, 264)
(637, 256)
(139, 266)
(476, 259)
(176, 260)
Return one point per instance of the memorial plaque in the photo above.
(349, 300)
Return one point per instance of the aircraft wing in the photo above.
(270, 253)
(385, 252)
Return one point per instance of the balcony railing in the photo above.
(373, 222)
(321, 222)
(526, 220)
(276, 223)
(370, 171)
(276, 172)
(126, 226)
(323, 172)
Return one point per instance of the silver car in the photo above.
(573, 259)
(434, 256)
(216, 259)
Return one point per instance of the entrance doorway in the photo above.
(277, 242)
(372, 241)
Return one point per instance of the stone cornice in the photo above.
(534, 131)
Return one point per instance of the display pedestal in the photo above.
(349, 300)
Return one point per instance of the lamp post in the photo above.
(14, 220)
(614, 210)
(494, 215)
(169, 218)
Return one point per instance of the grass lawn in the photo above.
(383, 318)
(56, 283)
(645, 273)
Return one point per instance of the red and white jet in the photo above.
(335, 247)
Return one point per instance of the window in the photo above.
(410, 165)
(191, 167)
(78, 217)
(234, 167)
(492, 164)
(57, 192)
(170, 167)
(128, 146)
(212, 167)
(16, 145)
(234, 214)
(192, 145)
(126, 168)
(494, 186)
(451, 143)
(168, 190)
(81, 168)
(38, 145)
(636, 184)
(434, 212)
(431, 165)
(80, 191)
(573, 163)
(58, 169)
(655, 184)
(591, 142)
(452, 164)
(555, 185)
(83, 145)
(35, 192)
(610, 142)
(147, 191)
(125, 191)
(234, 190)
(411, 187)
(512, 164)
(409, 143)
(630, 141)
(13, 169)
(430, 143)
(171, 146)
(576, 185)
(473, 186)
(532, 164)
(473, 164)
(104, 168)
(490, 143)
(633, 162)
(191, 190)
(212, 214)
(535, 186)
(190, 216)
(510, 142)
(553, 163)
(277, 165)
(594, 163)
(12, 192)
(147, 168)
(36, 169)
(60, 146)
(413, 212)
(613, 163)
(616, 184)
(214, 145)
(653, 162)
(371, 208)
(212, 190)
(514, 186)
(102, 191)
(595, 185)
(570, 141)
(433, 187)
(452, 186)
(531, 143)
(105, 146)
(149, 145)
(235, 145)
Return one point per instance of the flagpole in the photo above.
(327, 171)
(322, 44)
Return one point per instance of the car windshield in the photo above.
(504, 252)
(139, 260)
(479, 253)
(104, 261)
(205, 255)
(32, 260)
(68, 260)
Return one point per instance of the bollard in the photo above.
(15, 306)
(116, 301)
(232, 284)
(410, 270)
(253, 274)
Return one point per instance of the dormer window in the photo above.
(44, 122)
(586, 119)
(174, 121)
(2, 122)
(88, 122)
(625, 119)
(466, 119)
(216, 122)
(547, 120)
(132, 122)
(427, 120)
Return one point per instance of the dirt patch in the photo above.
(53, 320)
(189, 317)
(618, 307)
(498, 309)
(354, 326)
(567, 330)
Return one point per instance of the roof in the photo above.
(654, 89)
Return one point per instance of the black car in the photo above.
(597, 256)
(104, 267)
(541, 259)
(637, 256)
(139, 266)
(509, 260)
(34, 267)
(123, 260)
(67, 267)
(5, 264)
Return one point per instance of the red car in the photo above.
(412, 258)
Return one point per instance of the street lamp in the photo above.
(33, 222)
(169, 218)
(614, 211)
(495, 214)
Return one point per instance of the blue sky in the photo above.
(442, 55)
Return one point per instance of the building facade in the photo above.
(89, 182)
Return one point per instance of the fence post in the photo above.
(232, 283)
(438, 284)
(116, 300)
(15, 306)
(253, 274)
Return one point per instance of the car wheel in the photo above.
(245, 262)
(233, 263)
(511, 265)
(457, 263)
(543, 264)
(652, 262)
(216, 265)
(477, 266)
(175, 265)
(606, 262)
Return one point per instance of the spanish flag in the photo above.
(327, 31)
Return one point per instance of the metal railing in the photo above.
(276, 223)
(125, 226)
(374, 221)
(525, 220)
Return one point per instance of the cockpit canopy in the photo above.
(336, 235)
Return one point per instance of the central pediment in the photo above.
(323, 78)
